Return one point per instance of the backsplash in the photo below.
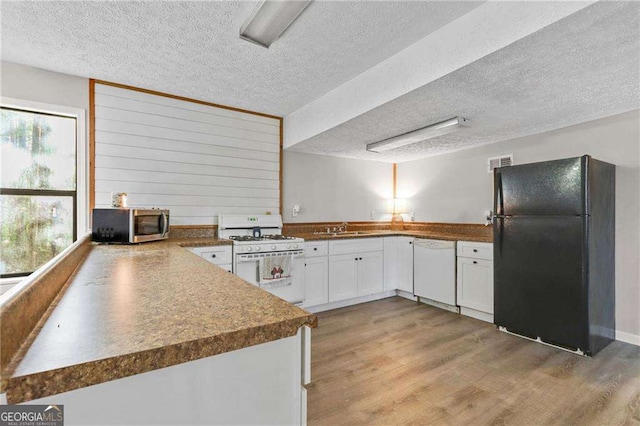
(193, 231)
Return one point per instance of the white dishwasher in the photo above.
(435, 270)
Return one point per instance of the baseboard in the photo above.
(445, 306)
(349, 302)
(623, 336)
(406, 295)
(482, 316)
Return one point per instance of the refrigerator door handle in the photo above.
(499, 207)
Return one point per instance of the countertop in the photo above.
(448, 236)
(129, 309)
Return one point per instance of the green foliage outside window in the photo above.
(38, 183)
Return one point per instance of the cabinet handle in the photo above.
(410, 242)
(213, 255)
(356, 258)
(315, 249)
(475, 250)
(360, 258)
(475, 263)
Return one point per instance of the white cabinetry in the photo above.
(219, 255)
(475, 280)
(316, 273)
(398, 263)
(405, 264)
(355, 268)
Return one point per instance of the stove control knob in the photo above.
(273, 247)
(257, 248)
(295, 246)
(240, 249)
(249, 248)
(288, 246)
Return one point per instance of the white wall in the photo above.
(334, 189)
(197, 160)
(457, 188)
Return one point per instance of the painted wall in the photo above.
(457, 188)
(334, 189)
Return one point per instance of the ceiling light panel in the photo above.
(432, 131)
(269, 20)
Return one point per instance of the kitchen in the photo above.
(329, 175)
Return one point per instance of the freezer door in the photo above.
(539, 278)
(554, 188)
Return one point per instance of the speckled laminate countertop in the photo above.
(449, 236)
(131, 309)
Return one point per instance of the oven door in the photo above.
(291, 289)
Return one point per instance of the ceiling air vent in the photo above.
(500, 161)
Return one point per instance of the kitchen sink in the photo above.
(342, 233)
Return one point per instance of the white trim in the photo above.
(29, 280)
(623, 336)
(479, 315)
(82, 159)
(350, 302)
(406, 295)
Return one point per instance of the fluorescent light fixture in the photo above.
(270, 19)
(419, 135)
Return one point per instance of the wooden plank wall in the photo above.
(197, 160)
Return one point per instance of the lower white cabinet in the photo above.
(369, 270)
(405, 264)
(316, 281)
(475, 279)
(358, 273)
(343, 277)
(218, 255)
(398, 263)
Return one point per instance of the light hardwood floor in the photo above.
(397, 362)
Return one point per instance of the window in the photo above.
(39, 182)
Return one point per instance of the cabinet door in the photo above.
(342, 277)
(475, 284)
(390, 263)
(370, 273)
(316, 281)
(405, 264)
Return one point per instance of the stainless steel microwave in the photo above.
(129, 226)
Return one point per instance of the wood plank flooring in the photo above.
(397, 362)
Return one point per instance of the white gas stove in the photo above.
(263, 256)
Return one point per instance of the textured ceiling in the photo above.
(193, 49)
(581, 68)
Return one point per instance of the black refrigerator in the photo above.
(554, 252)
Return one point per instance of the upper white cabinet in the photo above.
(475, 279)
(398, 263)
(355, 268)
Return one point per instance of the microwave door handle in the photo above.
(165, 224)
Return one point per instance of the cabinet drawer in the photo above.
(475, 250)
(356, 245)
(220, 255)
(316, 248)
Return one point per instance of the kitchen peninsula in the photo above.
(152, 333)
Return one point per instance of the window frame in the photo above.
(80, 195)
